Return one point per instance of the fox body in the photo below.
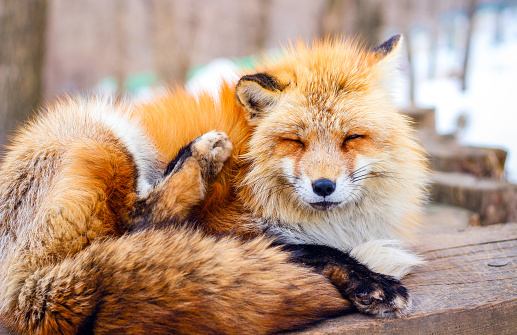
(320, 155)
(106, 211)
(78, 186)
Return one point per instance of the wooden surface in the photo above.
(495, 200)
(458, 290)
(447, 155)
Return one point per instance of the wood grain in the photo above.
(495, 200)
(456, 291)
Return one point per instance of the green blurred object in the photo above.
(135, 82)
(247, 63)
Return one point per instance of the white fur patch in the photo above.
(366, 230)
(130, 133)
(386, 256)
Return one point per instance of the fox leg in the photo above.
(370, 292)
(184, 183)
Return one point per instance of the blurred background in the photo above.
(460, 58)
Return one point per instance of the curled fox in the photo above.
(144, 219)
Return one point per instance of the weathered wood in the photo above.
(480, 162)
(488, 319)
(443, 218)
(494, 200)
(456, 291)
(447, 155)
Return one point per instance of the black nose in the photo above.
(323, 187)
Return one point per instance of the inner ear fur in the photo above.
(257, 92)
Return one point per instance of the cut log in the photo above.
(494, 200)
(446, 155)
(480, 162)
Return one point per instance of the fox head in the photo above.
(325, 134)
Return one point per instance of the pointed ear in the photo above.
(387, 57)
(388, 47)
(257, 93)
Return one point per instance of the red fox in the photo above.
(115, 219)
(320, 154)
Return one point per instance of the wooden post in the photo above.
(22, 39)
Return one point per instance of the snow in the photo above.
(488, 102)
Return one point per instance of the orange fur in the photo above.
(323, 93)
(82, 178)
(72, 194)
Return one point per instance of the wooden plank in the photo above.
(458, 290)
(493, 319)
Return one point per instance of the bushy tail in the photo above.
(169, 281)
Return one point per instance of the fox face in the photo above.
(323, 153)
(326, 170)
(324, 127)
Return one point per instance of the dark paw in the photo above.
(379, 295)
(370, 292)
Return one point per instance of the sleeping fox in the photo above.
(320, 156)
(111, 221)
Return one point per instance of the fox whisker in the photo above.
(256, 179)
(275, 186)
(362, 168)
(284, 188)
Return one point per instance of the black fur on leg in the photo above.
(370, 292)
(180, 158)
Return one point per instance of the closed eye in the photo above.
(297, 141)
(352, 137)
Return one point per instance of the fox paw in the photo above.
(370, 292)
(379, 295)
(211, 150)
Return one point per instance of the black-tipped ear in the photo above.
(257, 92)
(387, 47)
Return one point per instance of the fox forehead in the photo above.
(331, 89)
(337, 115)
(322, 111)
(326, 67)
